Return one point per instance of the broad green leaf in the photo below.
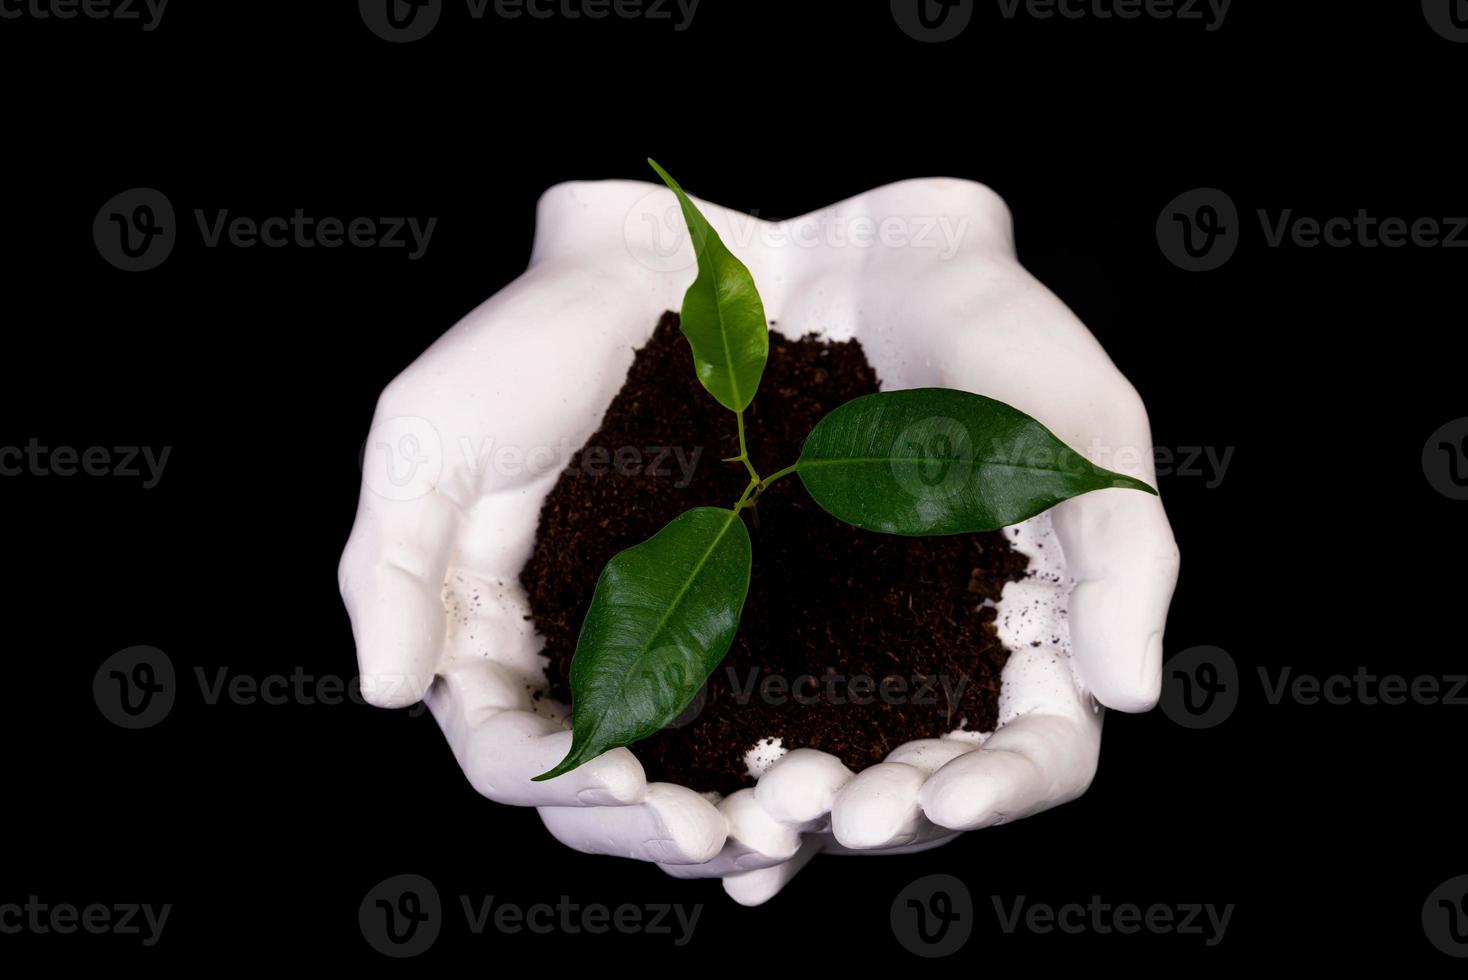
(723, 317)
(663, 616)
(940, 461)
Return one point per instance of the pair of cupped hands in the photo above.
(468, 441)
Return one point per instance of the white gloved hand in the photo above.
(469, 440)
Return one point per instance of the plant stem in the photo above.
(743, 456)
(757, 484)
(778, 474)
(765, 483)
(743, 500)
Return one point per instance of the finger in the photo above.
(880, 807)
(483, 708)
(672, 825)
(391, 578)
(1043, 754)
(930, 836)
(931, 754)
(758, 887)
(755, 841)
(1120, 550)
(801, 787)
(1018, 343)
(1031, 764)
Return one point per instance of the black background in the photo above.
(1324, 548)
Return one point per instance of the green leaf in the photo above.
(663, 616)
(940, 461)
(723, 317)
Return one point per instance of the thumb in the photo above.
(1120, 550)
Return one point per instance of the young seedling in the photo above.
(926, 461)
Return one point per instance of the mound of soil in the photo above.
(851, 642)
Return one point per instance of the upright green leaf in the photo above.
(940, 461)
(723, 317)
(663, 616)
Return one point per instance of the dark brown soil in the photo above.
(851, 642)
